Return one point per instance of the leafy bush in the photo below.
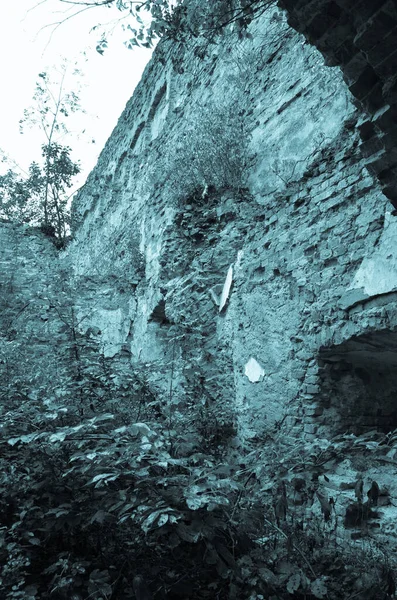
(97, 508)
(85, 500)
(211, 155)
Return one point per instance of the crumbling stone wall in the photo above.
(267, 304)
(295, 237)
(360, 37)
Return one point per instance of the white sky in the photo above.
(25, 51)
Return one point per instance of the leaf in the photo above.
(148, 522)
(162, 520)
(318, 588)
(102, 477)
(140, 428)
(24, 439)
(98, 517)
(325, 506)
(194, 502)
(293, 583)
(34, 541)
(58, 437)
(187, 534)
(105, 417)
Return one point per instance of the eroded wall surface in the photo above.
(303, 237)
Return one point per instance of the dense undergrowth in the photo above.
(105, 508)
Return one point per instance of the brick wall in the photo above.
(360, 37)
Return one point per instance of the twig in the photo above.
(293, 545)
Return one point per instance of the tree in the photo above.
(176, 19)
(40, 196)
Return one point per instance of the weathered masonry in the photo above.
(237, 238)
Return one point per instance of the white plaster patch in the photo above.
(254, 371)
(226, 288)
(378, 273)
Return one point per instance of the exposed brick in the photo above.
(390, 91)
(293, 5)
(388, 176)
(353, 69)
(344, 52)
(367, 130)
(390, 8)
(374, 100)
(390, 191)
(388, 67)
(386, 118)
(365, 82)
(386, 46)
(384, 160)
(390, 139)
(364, 10)
(376, 29)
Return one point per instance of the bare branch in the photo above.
(58, 24)
(36, 6)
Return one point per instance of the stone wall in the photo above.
(360, 37)
(304, 234)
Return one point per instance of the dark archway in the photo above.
(359, 383)
(360, 37)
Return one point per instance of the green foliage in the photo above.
(40, 197)
(213, 153)
(102, 507)
(18, 195)
(178, 19)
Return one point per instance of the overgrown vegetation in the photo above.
(109, 507)
(110, 490)
(177, 20)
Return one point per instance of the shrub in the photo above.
(93, 508)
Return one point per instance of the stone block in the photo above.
(385, 118)
(341, 55)
(388, 176)
(337, 36)
(314, 411)
(310, 428)
(374, 100)
(353, 69)
(390, 191)
(372, 146)
(293, 5)
(381, 161)
(366, 81)
(320, 24)
(389, 8)
(390, 139)
(387, 68)
(311, 389)
(351, 298)
(386, 45)
(362, 11)
(378, 27)
(390, 90)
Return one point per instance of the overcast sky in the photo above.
(28, 47)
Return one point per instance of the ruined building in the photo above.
(237, 239)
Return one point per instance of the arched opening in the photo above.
(359, 383)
